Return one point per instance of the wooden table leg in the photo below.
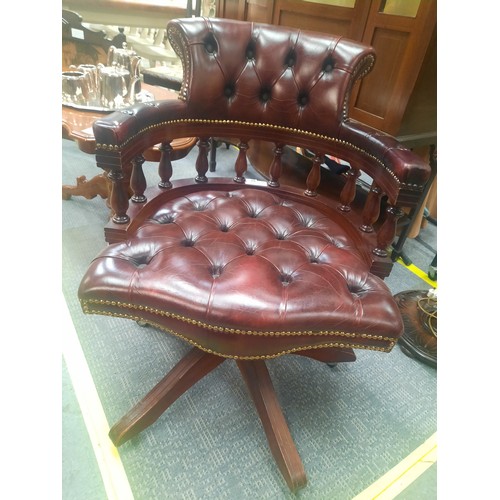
(283, 448)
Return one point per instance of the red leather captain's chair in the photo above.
(252, 270)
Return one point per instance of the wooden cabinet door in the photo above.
(333, 18)
(401, 43)
(341, 17)
(258, 11)
(401, 32)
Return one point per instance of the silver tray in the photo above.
(142, 96)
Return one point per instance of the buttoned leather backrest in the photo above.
(267, 74)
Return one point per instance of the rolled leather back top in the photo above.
(305, 84)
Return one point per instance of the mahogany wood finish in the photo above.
(329, 355)
(244, 269)
(371, 211)
(260, 386)
(192, 368)
(323, 18)
(138, 180)
(165, 165)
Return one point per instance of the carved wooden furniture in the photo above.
(80, 44)
(252, 270)
(419, 312)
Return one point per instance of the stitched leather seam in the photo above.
(341, 345)
(222, 329)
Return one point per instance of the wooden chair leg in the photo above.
(283, 448)
(192, 368)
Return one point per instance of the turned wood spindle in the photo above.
(240, 166)
(137, 180)
(275, 168)
(213, 154)
(202, 160)
(349, 190)
(371, 210)
(165, 166)
(118, 197)
(388, 230)
(314, 176)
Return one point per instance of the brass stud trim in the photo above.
(86, 306)
(341, 345)
(281, 128)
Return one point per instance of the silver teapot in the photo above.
(125, 58)
(117, 87)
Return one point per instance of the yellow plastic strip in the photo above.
(110, 465)
(391, 484)
(415, 270)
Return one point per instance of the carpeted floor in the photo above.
(351, 423)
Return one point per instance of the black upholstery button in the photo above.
(165, 219)
(210, 43)
(229, 90)
(265, 95)
(285, 279)
(141, 261)
(303, 99)
(250, 51)
(355, 290)
(216, 271)
(290, 59)
(329, 64)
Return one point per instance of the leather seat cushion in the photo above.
(245, 274)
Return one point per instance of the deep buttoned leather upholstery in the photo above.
(245, 274)
(243, 269)
(277, 77)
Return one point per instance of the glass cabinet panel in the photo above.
(337, 3)
(407, 8)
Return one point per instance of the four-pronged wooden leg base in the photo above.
(192, 368)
